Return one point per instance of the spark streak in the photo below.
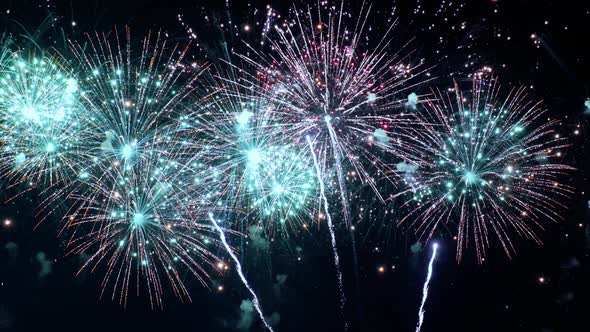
(332, 234)
(425, 289)
(239, 268)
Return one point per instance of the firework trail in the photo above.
(5, 51)
(344, 200)
(240, 273)
(426, 285)
(332, 233)
(490, 164)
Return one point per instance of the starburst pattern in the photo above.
(141, 224)
(40, 120)
(489, 164)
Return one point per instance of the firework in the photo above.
(135, 100)
(255, 300)
(5, 52)
(331, 229)
(136, 203)
(328, 82)
(39, 99)
(490, 165)
(281, 183)
(141, 224)
(266, 177)
(425, 288)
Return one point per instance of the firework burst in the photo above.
(328, 82)
(40, 106)
(136, 208)
(335, 93)
(135, 101)
(281, 184)
(140, 223)
(266, 178)
(491, 165)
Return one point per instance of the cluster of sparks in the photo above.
(488, 165)
(38, 99)
(147, 148)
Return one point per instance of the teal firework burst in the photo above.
(40, 125)
(272, 183)
(259, 172)
(281, 185)
(491, 166)
(137, 96)
(141, 225)
(136, 208)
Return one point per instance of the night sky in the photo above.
(538, 44)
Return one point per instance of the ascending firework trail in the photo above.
(425, 289)
(239, 268)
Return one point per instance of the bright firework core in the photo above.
(138, 219)
(470, 177)
(127, 151)
(254, 157)
(50, 147)
(277, 189)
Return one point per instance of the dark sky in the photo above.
(39, 288)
